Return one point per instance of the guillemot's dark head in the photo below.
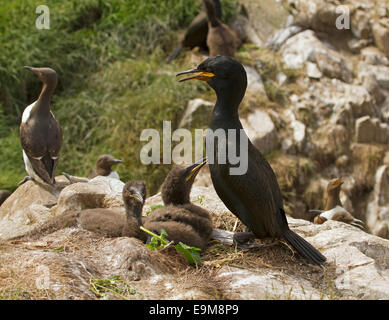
(105, 162)
(178, 183)
(47, 75)
(224, 74)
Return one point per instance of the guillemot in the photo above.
(333, 209)
(104, 165)
(40, 132)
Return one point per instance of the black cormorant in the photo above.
(254, 197)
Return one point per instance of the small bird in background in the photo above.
(333, 209)
(40, 132)
(196, 34)
(104, 165)
(221, 39)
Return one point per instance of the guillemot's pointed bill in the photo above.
(40, 133)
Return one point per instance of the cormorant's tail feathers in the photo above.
(174, 54)
(304, 248)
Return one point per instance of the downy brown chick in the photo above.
(182, 220)
(106, 222)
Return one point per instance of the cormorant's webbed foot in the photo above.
(25, 179)
(242, 239)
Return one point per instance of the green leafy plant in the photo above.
(112, 284)
(192, 254)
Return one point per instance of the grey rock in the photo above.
(377, 212)
(198, 114)
(261, 131)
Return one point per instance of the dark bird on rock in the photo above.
(104, 165)
(105, 222)
(4, 194)
(221, 39)
(334, 209)
(196, 34)
(40, 132)
(182, 220)
(254, 196)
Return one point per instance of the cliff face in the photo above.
(76, 264)
(317, 103)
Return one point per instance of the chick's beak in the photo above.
(196, 74)
(194, 169)
(137, 196)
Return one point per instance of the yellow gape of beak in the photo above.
(137, 197)
(196, 74)
(195, 170)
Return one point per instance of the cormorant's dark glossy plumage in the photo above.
(196, 34)
(106, 222)
(254, 197)
(182, 220)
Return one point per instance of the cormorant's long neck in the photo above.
(211, 13)
(226, 108)
(218, 8)
(333, 200)
(42, 105)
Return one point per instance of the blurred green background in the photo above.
(113, 80)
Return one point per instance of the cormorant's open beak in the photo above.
(194, 169)
(196, 74)
(137, 196)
